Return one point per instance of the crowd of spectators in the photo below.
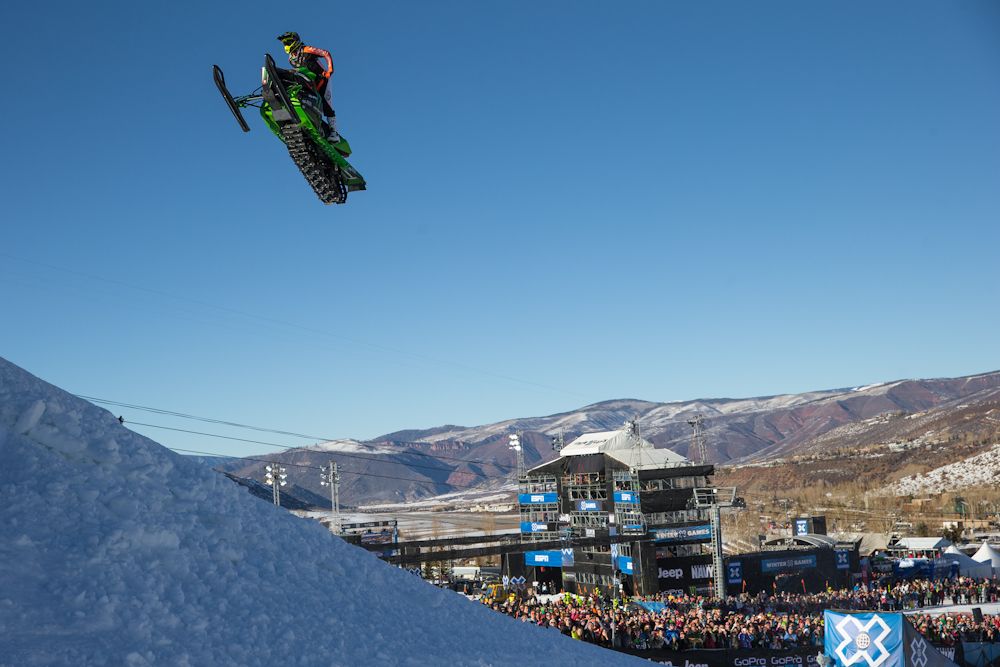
(761, 621)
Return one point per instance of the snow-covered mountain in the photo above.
(736, 431)
(116, 551)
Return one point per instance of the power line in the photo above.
(263, 429)
(311, 467)
(287, 448)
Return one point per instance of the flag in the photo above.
(803, 585)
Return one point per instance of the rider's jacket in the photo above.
(309, 57)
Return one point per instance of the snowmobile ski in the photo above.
(220, 83)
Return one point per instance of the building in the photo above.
(619, 509)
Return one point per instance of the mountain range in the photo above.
(955, 415)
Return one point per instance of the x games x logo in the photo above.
(860, 641)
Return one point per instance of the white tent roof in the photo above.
(625, 446)
(922, 543)
(988, 554)
(955, 550)
(966, 566)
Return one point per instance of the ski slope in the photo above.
(117, 551)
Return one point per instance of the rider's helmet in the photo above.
(291, 41)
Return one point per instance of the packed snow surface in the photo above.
(116, 551)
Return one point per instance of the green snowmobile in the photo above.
(293, 110)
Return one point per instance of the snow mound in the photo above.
(976, 470)
(116, 551)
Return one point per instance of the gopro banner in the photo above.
(734, 572)
(537, 498)
(626, 497)
(543, 558)
(625, 564)
(589, 505)
(772, 565)
(868, 640)
(683, 534)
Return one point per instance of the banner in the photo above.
(535, 527)
(843, 559)
(772, 565)
(589, 505)
(538, 498)
(543, 558)
(802, 526)
(868, 639)
(624, 564)
(630, 497)
(682, 534)
(734, 572)
(795, 657)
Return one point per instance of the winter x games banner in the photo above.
(877, 640)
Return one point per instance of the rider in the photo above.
(306, 59)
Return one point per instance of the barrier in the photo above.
(731, 657)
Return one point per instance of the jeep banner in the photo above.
(795, 657)
(684, 572)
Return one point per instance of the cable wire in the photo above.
(315, 439)
(287, 448)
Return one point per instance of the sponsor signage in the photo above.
(843, 559)
(624, 564)
(534, 527)
(867, 638)
(567, 557)
(626, 497)
(543, 558)
(683, 533)
(771, 565)
(734, 572)
(793, 657)
(681, 573)
(589, 505)
(538, 498)
(802, 526)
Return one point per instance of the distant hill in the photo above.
(954, 413)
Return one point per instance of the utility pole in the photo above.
(274, 477)
(330, 476)
(558, 442)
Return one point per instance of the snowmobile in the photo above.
(293, 110)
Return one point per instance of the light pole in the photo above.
(274, 476)
(330, 476)
(515, 444)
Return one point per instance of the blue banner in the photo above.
(625, 564)
(734, 572)
(537, 498)
(567, 557)
(843, 559)
(544, 558)
(802, 526)
(534, 527)
(589, 505)
(626, 497)
(868, 640)
(771, 565)
(683, 533)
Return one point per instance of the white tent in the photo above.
(967, 567)
(987, 554)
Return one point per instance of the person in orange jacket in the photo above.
(306, 59)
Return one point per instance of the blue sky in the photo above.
(569, 202)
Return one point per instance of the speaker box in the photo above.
(977, 614)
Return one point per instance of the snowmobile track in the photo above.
(321, 175)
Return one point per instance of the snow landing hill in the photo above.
(116, 551)
(746, 432)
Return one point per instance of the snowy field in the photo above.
(116, 551)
